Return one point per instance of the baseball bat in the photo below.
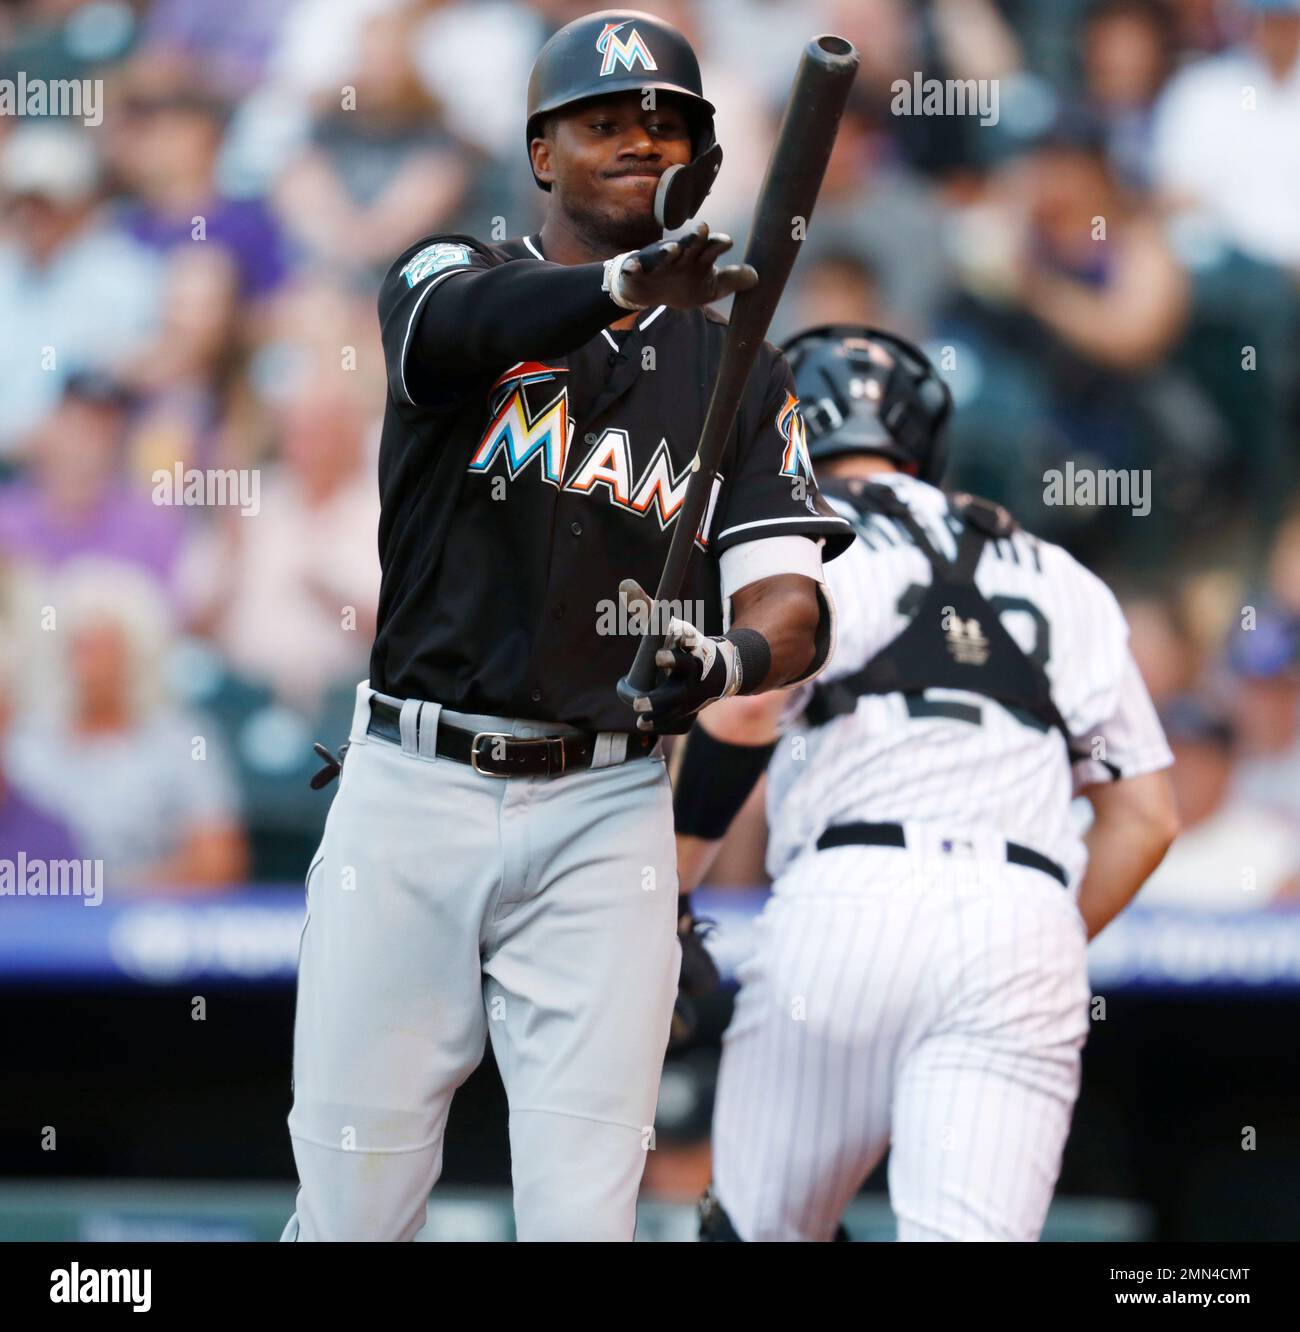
(785, 204)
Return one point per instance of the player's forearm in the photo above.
(785, 610)
(695, 857)
(723, 759)
(1127, 841)
(517, 312)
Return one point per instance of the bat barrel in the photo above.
(804, 141)
(782, 212)
(833, 52)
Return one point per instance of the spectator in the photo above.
(231, 40)
(1230, 854)
(74, 292)
(1095, 270)
(1163, 646)
(25, 825)
(451, 40)
(380, 171)
(290, 595)
(317, 45)
(1072, 302)
(874, 207)
(164, 147)
(77, 501)
(145, 789)
(835, 287)
(1284, 567)
(958, 39)
(311, 325)
(1128, 53)
(1225, 138)
(759, 38)
(1265, 665)
(63, 39)
(185, 379)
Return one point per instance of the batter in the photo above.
(498, 860)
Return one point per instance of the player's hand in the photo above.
(692, 669)
(682, 273)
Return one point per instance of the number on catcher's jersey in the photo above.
(925, 704)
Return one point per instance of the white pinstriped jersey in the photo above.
(882, 763)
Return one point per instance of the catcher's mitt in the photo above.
(699, 974)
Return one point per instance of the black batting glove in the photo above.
(692, 670)
(683, 273)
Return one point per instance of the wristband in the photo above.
(612, 282)
(753, 658)
(713, 782)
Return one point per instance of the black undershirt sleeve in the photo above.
(713, 782)
(480, 320)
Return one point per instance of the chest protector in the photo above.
(955, 638)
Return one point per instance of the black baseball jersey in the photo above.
(532, 458)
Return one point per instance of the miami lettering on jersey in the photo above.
(791, 428)
(518, 435)
(656, 490)
(625, 51)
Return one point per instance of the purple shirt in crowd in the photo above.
(233, 40)
(28, 828)
(125, 526)
(244, 227)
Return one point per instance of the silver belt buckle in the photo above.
(473, 751)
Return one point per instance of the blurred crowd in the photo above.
(1106, 272)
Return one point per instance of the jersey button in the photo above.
(575, 528)
(558, 612)
(537, 695)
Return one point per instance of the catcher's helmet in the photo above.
(624, 50)
(862, 390)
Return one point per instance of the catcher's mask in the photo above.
(863, 390)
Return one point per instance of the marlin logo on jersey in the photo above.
(623, 51)
(966, 642)
(790, 426)
(520, 435)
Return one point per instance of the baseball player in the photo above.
(498, 860)
(919, 976)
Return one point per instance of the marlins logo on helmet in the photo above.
(623, 51)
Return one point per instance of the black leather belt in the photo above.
(498, 754)
(891, 834)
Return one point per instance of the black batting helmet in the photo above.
(862, 390)
(624, 50)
